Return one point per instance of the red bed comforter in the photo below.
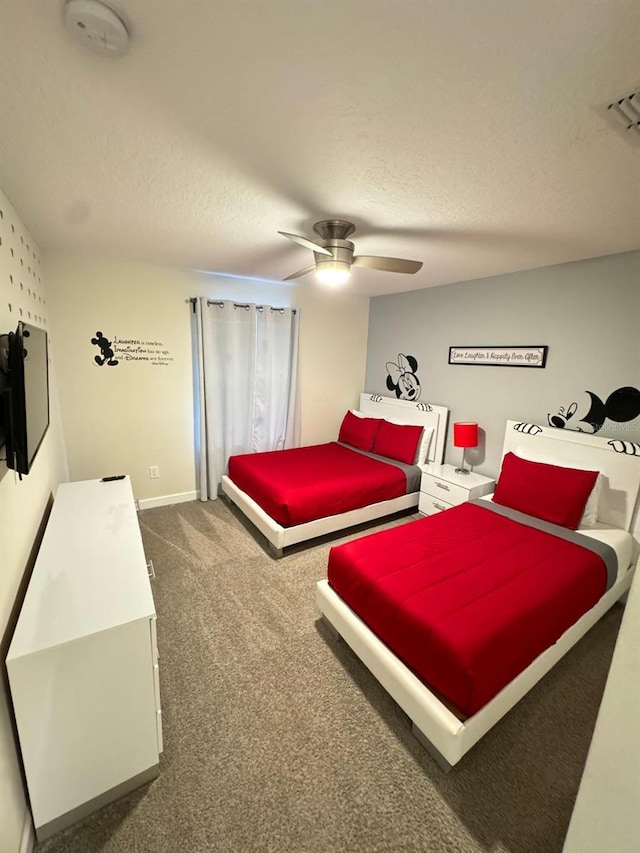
(466, 598)
(304, 483)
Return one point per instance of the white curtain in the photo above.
(247, 400)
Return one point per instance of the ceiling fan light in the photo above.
(333, 272)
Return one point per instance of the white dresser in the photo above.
(441, 488)
(83, 661)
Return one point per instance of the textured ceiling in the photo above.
(468, 134)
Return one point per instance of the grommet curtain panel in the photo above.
(246, 390)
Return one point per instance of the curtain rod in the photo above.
(220, 304)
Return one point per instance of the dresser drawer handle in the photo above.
(438, 506)
(442, 486)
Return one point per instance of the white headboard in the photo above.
(422, 414)
(618, 461)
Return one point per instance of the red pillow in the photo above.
(359, 432)
(398, 441)
(549, 492)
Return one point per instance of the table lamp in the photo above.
(464, 435)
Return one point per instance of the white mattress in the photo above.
(620, 540)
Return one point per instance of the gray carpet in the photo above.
(278, 739)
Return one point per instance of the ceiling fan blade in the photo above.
(308, 244)
(373, 262)
(300, 273)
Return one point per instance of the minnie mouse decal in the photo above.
(402, 378)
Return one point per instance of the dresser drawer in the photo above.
(429, 505)
(443, 491)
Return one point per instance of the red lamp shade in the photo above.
(465, 435)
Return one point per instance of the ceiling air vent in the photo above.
(625, 112)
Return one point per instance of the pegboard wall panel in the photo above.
(21, 289)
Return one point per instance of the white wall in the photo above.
(123, 419)
(22, 502)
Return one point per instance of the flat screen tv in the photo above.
(25, 394)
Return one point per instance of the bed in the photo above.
(458, 641)
(336, 485)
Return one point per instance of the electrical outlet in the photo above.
(154, 472)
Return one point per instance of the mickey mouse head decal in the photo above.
(402, 378)
(621, 406)
(105, 349)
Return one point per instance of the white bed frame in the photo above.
(372, 405)
(445, 736)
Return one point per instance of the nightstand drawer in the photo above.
(443, 490)
(430, 506)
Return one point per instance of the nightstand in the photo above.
(441, 488)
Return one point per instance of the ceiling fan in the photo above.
(334, 254)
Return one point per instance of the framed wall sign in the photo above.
(499, 356)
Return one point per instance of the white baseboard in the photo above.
(28, 838)
(166, 500)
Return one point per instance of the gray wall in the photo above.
(587, 312)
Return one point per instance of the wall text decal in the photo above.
(122, 350)
(499, 356)
(151, 352)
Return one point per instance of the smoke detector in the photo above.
(96, 26)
